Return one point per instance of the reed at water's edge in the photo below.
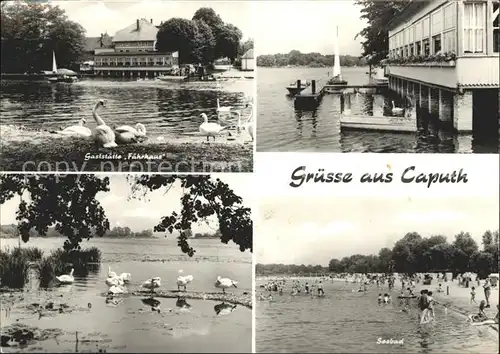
(15, 264)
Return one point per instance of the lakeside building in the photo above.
(248, 61)
(445, 55)
(133, 53)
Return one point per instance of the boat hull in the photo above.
(172, 78)
(388, 124)
(295, 90)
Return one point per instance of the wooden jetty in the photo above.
(310, 97)
(383, 123)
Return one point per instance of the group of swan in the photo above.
(116, 283)
(104, 134)
(183, 281)
(209, 129)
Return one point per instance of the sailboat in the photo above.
(55, 76)
(336, 79)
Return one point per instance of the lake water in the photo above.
(282, 128)
(350, 322)
(130, 325)
(170, 110)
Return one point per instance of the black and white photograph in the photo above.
(126, 263)
(367, 76)
(127, 86)
(377, 274)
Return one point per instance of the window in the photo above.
(425, 28)
(474, 23)
(496, 31)
(437, 22)
(412, 53)
(449, 16)
(406, 51)
(448, 42)
(436, 44)
(419, 48)
(426, 47)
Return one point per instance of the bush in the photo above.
(14, 268)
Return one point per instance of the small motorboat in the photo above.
(63, 78)
(293, 89)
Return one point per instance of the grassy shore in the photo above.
(42, 151)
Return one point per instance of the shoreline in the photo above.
(243, 300)
(51, 154)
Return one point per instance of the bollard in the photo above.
(313, 86)
(447, 290)
(298, 87)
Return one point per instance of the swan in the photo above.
(126, 134)
(152, 283)
(224, 283)
(126, 277)
(66, 278)
(116, 289)
(210, 129)
(184, 281)
(223, 109)
(396, 110)
(114, 281)
(103, 134)
(78, 130)
(110, 273)
(248, 125)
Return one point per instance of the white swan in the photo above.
(126, 134)
(103, 134)
(184, 281)
(248, 126)
(152, 283)
(110, 273)
(66, 278)
(114, 281)
(224, 283)
(224, 109)
(116, 289)
(396, 110)
(126, 277)
(78, 130)
(210, 129)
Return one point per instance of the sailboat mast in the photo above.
(54, 65)
(336, 62)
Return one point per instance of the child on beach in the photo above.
(423, 306)
(440, 288)
(431, 302)
(379, 298)
(473, 295)
(320, 288)
(481, 316)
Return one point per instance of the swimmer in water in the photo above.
(386, 298)
(320, 288)
(431, 301)
(306, 287)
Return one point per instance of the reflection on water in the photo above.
(127, 323)
(344, 321)
(165, 109)
(223, 309)
(282, 128)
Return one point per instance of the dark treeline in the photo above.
(11, 231)
(216, 234)
(313, 60)
(411, 254)
(203, 39)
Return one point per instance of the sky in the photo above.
(308, 26)
(140, 214)
(313, 230)
(110, 16)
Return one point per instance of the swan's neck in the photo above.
(71, 273)
(205, 119)
(98, 119)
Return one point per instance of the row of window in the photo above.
(134, 44)
(158, 63)
(419, 39)
(132, 59)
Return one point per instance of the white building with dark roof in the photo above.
(248, 61)
(134, 53)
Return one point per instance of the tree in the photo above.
(245, 46)
(228, 40)
(334, 265)
(179, 34)
(205, 43)
(465, 243)
(209, 16)
(69, 202)
(31, 31)
(404, 253)
(375, 34)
